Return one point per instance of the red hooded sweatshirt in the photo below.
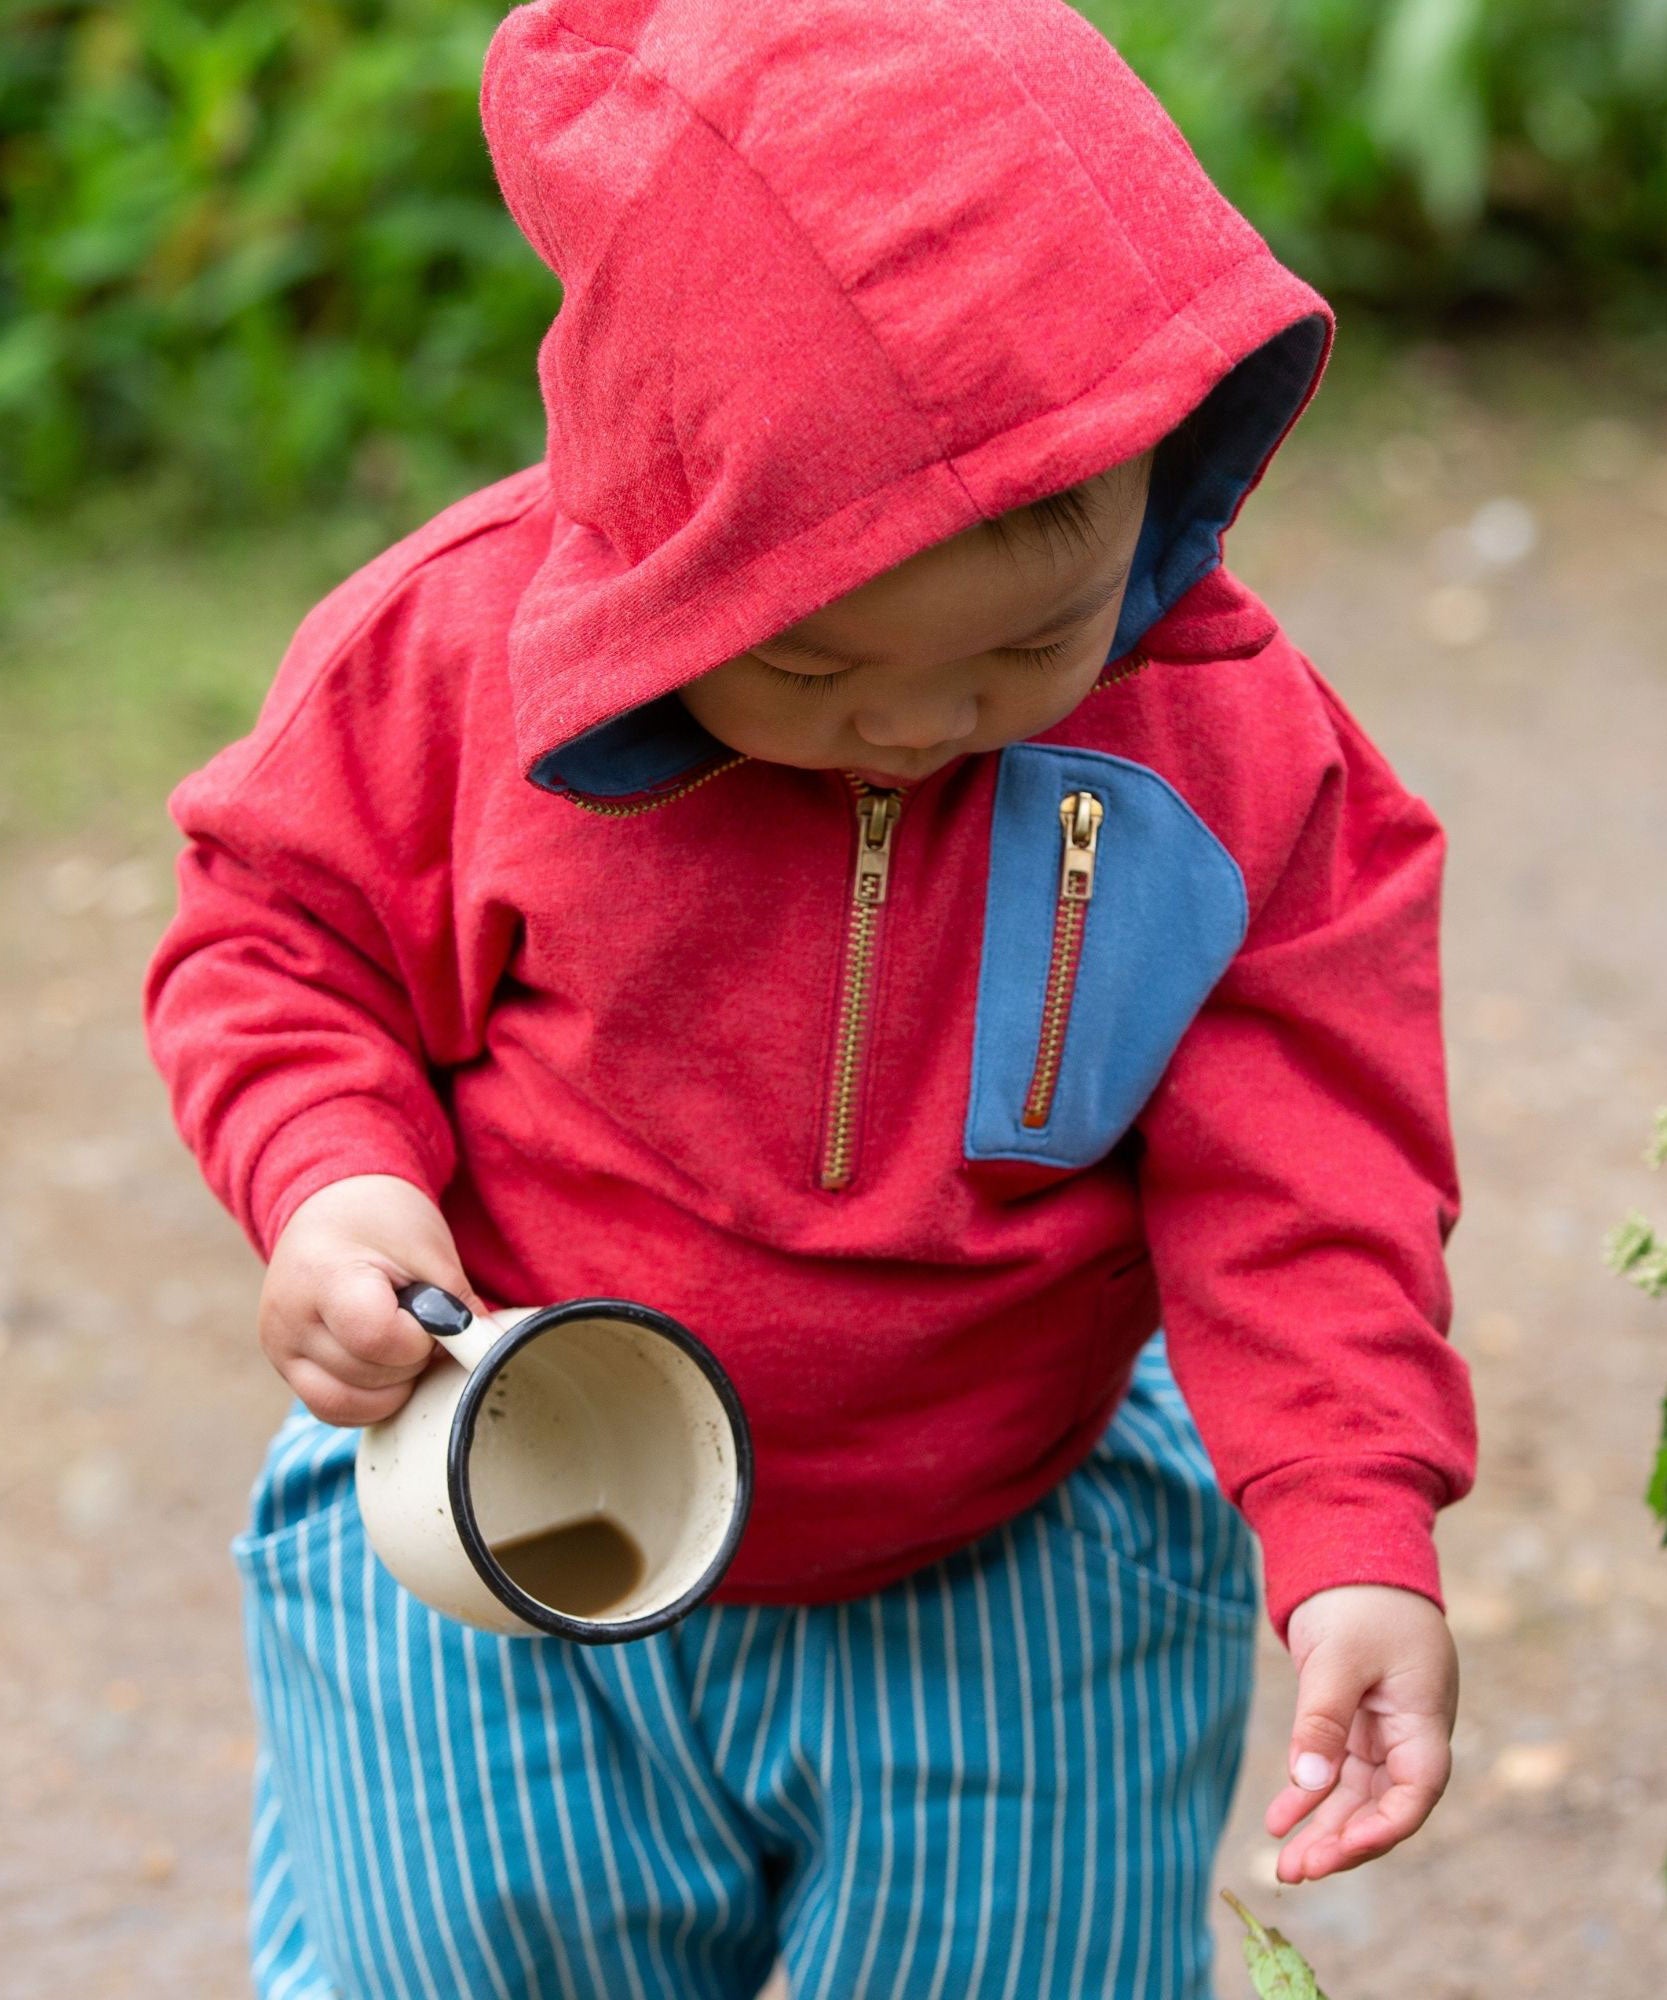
(921, 1108)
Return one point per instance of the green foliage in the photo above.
(261, 243)
(1277, 1969)
(1637, 1251)
(1429, 156)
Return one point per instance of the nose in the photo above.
(918, 726)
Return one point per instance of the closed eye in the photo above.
(811, 682)
(1040, 656)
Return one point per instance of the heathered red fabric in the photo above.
(840, 281)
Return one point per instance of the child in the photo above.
(830, 852)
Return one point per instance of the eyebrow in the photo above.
(1095, 598)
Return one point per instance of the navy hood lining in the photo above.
(1201, 473)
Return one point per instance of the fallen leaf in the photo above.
(1277, 1969)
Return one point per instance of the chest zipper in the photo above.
(877, 815)
(1080, 814)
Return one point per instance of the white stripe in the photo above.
(882, 1701)
(530, 1833)
(737, 1682)
(473, 1639)
(1027, 1737)
(714, 1615)
(275, 1943)
(337, 1875)
(761, 1735)
(815, 1877)
(569, 1846)
(306, 1963)
(830, 1952)
(460, 1828)
(395, 1834)
(957, 1784)
(392, 1968)
(273, 1880)
(1088, 1899)
(917, 1892)
(642, 1743)
(650, 1883)
(439, 1902)
(990, 1790)
(1055, 1900)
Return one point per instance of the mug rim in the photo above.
(590, 1632)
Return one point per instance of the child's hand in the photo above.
(328, 1318)
(1377, 1690)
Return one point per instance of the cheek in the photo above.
(1031, 701)
(762, 723)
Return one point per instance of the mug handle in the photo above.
(448, 1319)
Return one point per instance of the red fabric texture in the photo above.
(787, 357)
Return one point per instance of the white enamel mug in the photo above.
(546, 1417)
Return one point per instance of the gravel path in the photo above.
(1486, 592)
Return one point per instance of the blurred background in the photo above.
(262, 312)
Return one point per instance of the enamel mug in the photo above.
(581, 1469)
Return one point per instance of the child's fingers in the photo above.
(1418, 1772)
(357, 1308)
(319, 1345)
(336, 1402)
(1328, 1698)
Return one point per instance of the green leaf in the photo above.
(1277, 1969)
(1656, 1492)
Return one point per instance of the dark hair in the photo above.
(1068, 515)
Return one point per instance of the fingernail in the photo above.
(1311, 1771)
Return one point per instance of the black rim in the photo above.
(462, 1501)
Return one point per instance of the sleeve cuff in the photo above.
(329, 1142)
(1326, 1522)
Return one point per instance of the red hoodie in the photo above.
(920, 1108)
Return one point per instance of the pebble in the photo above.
(1529, 1769)
(1458, 614)
(1503, 532)
(93, 1492)
(157, 1864)
(1498, 1335)
(1479, 1613)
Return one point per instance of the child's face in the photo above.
(966, 646)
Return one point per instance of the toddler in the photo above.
(831, 852)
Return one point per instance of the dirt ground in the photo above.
(1486, 589)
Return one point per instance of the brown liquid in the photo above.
(582, 1568)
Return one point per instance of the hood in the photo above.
(838, 282)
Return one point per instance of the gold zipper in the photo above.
(659, 798)
(1125, 671)
(877, 815)
(1080, 814)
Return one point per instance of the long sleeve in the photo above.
(1298, 1185)
(307, 987)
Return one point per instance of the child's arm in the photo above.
(1298, 1186)
(322, 966)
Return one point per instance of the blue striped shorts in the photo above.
(1006, 1774)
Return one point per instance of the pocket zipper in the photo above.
(1080, 814)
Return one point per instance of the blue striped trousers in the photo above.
(1004, 1776)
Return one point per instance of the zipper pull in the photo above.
(876, 816)
(1080, 813)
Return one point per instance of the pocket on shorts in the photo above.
(306, 1478)
(1148, 1502)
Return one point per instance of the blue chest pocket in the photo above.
(1111, 912)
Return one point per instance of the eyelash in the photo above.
(1036, 656)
